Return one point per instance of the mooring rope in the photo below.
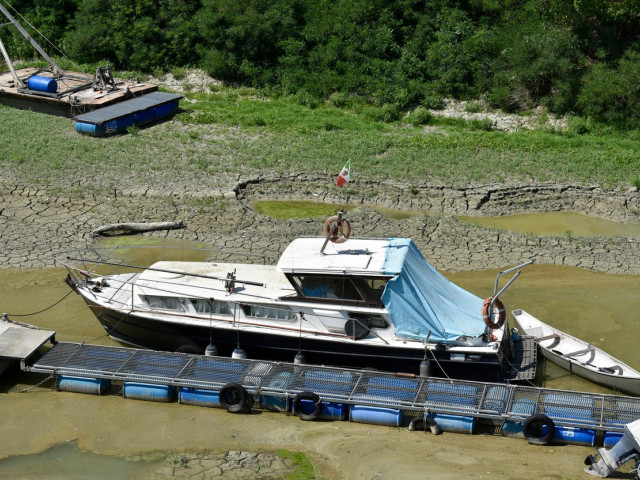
(40, 311)
(25, 390)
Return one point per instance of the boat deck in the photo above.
(363, 387)
(75, 94)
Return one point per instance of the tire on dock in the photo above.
(534, 432)
(234, 398)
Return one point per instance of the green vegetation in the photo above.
(45, 150)
(579, 57)
(282, 209)
(304, 468)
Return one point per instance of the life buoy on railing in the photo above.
(317, 404)
(533, 429)
(341, 229)
(234, 398)
(487, 316)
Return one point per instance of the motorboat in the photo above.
(329, 300)
(579, 357)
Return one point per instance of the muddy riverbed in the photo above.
(36, 223)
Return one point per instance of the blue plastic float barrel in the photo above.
(149, 392)
(94, 386)
(376, 415)
(571, 408)
(454, 423)
(328, 410)
(199, 397)
(573, 435)
(514, 428)
(91, 129)
(611, 438)
(144, 116)
(42, 84)
(275, 402)
(120, 124)
(165, 109)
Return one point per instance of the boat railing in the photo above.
(507, 339)
(109, 256)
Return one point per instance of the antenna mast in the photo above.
(56, 69)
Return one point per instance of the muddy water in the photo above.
(602, 309)
(557, 223)
(548, 223)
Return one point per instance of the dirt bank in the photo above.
(36, 222)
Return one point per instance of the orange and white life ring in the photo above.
(340, 231)
(487, 317)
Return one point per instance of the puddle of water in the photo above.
(67, 462)
(551, 223)
(557, 223)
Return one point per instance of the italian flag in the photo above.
(345, 174)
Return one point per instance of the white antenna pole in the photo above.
(56, 68)
(19, 82)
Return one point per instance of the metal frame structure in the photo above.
(490, 401)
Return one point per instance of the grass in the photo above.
(241, 133)
(283, 209)
(304, 468)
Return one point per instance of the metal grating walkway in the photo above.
(128, 107)
(362, 387)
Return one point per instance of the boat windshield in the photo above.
(321, 286)
(350, 288)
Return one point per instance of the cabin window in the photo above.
(259, 311)
(217, 307)
(316, 286)
(165, 303)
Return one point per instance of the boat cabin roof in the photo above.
(356, 256)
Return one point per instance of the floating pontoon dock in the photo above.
(18, 342)
(428, 395)
(137, 111)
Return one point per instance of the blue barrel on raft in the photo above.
(391, 417)
(275, 402)
(453, 423)
(149, 392)
(571, 409)
(199, 397)
(94, 386)
(95, 130)
(328, 410)
(42, 84)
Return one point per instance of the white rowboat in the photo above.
(580, 357)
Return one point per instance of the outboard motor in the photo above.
(627, 449)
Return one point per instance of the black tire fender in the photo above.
(307, 396)
(234, 398)
(532, 429)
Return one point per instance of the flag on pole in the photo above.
(345, 174)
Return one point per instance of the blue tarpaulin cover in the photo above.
(421, 300)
